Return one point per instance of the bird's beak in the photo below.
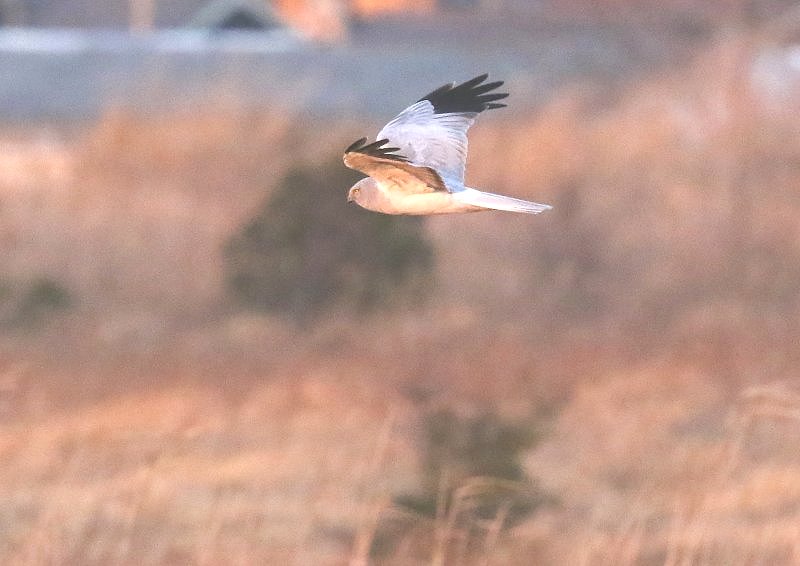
(350, 197)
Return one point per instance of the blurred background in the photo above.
(208, 357)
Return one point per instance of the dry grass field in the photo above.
(636, 349)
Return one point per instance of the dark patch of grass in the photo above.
(472, 477)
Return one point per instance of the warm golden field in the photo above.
(645, 335)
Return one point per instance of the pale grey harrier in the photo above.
(421, 170)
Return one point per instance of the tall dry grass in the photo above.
(648, 327)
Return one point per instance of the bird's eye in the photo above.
(356, 191)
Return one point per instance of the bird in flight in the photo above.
(417, 164)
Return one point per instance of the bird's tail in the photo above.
(499, 202)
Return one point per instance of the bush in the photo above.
(28, 302)
(472, 478)
(462, 448)
(307, 250)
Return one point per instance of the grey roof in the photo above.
(236, 14)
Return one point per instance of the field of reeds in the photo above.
(613, 382)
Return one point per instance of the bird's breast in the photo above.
(438, 202)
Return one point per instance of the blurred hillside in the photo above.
(613, 382)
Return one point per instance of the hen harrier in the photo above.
(417, 164)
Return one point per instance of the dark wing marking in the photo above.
(469, 96)
(391, 169)
(375, 149)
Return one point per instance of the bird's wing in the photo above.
(433, 131)
(391, 170)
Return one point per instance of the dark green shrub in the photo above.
(27, 302)
(46, 294)
(307, 250)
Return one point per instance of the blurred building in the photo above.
(332, 20)
(121, 14)
(319, 19)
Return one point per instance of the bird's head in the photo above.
(364, 193)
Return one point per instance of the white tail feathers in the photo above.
(498, 202)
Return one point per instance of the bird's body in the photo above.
(422, 173)
(384, 199)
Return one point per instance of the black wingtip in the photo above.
(358, 143)
(375, 149)
(471, 96)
